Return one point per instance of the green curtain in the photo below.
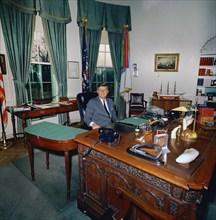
(55, 34)
(115, 42)
(93, 43)
(18, 28)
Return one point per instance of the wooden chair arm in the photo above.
(128, 198)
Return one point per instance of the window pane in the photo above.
(101, 59)
(102, 47)
(35, 71)
(36, 91)
(46, 73)
(99, 78)
(107, 48)
(42, 48)
(39, 50)
(108, 60)
(35, 49)
(110, 76)
(111, 89)
(47, 90)
(94, 87)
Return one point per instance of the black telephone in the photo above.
(109, 136)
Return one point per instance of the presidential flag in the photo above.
(125, 83)
(85, 72)
(2, 100)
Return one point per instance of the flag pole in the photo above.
(3, 145)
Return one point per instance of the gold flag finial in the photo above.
(125, 25)
(84, 20)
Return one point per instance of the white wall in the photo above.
(163, 26)
(169, 27)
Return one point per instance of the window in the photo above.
(40, 83)
(104, 70)
(41, 80)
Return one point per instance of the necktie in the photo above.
(106, 108)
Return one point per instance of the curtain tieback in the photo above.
(19, 83)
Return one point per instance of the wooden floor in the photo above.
(14, 150)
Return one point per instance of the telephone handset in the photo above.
(109, 136)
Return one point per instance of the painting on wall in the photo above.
(3, 64)
(167, 62)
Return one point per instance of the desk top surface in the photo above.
(134, 121)
(173, 172)
(53, 131)
(31, 112)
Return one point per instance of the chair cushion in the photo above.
(136, 100)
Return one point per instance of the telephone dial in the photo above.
(109, 136)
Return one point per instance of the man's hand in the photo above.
(94, 125)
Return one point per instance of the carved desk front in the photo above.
(173, 188)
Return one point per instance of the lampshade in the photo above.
(185, 109)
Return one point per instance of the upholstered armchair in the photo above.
(137, 104)
(82, 100)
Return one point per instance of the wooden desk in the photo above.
(36, 113)
(173, 188)
(55, 137)
(167, 104)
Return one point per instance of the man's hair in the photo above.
(103, 85)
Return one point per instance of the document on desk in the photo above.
(48, 105)
(19, 109)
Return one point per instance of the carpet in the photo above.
(44, 198)
(52, 181)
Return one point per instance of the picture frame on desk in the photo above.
(166, 62)
(3, 64)
(73, 69)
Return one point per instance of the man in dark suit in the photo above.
(100, 111)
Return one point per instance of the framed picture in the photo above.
(73, 70)
(167, 62)
(3, 64)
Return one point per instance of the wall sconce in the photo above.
(135, 70)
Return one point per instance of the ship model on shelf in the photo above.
(168, 95)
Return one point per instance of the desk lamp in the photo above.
(188, 134)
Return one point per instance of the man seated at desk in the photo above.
(100, 111)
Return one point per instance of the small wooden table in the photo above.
(168, 104)
(54, 137)
(38, 112)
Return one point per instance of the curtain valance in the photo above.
(27, 6)
(57, 11)
(91, 14)
(97, 15)
(116, 17)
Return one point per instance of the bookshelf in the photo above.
(206, 79)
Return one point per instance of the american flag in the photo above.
(125, 83)
(2, 99)
(85, 72)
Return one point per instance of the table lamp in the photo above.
(188, 134)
